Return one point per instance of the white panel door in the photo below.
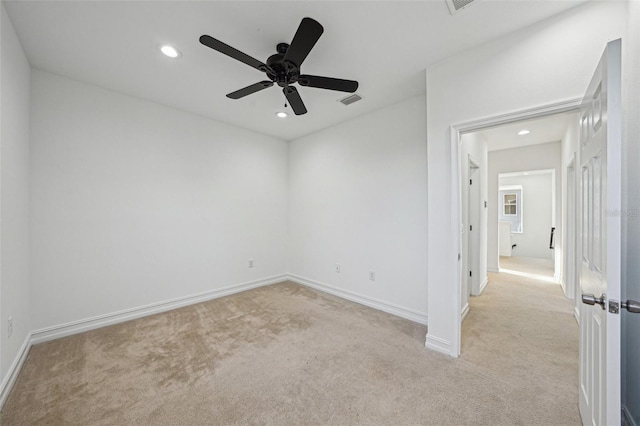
(600, 158)
(474, 229)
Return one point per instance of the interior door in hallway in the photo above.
(600, 160)
(473, 220)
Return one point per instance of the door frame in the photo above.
(473, 218)
(570, 279)
(557, 272)
(456, 131)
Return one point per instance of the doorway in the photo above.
(472, 228)
(481, 132)
(527, 221)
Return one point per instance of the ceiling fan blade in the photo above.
(250, 89)
(231, 52)
(306, 37)
(295, 100)
(328, 83)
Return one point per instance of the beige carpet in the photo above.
(528, 265)
(287, 355)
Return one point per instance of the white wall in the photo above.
(545, 63)
(534, 157)
(358, 198)
(14, 195)
(536, 215)
(631, 205)
(474, 146)
(135, 203)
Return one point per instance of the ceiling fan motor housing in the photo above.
(282, 72)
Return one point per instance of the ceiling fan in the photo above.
(283, 68)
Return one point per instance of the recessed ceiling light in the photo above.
(282, 114)
(523, 132)
(170, 51)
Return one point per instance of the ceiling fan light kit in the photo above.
(283, 68)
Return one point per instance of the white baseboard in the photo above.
(465, 312)
(14, 370)
(563, 285)
(438, 344)
(576, 314)
(483, 285)
(627, 418)
(74, 327)
(493, 269)
(400, 311)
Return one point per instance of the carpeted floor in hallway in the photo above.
(288, 355)
(528, 266)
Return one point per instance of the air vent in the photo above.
(457, 5)
(351, 99)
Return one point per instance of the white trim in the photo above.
(456, 209)
(455, 132)
(512, 117)
(576, 314)
(438, 344)
(474, 215)
(525, 173)
(465, 311)
(74, 327)
(483, 285)
(626, 416)
(493, 269)
(397, 310)
(563, 285)
(14, 370)
(570, 246)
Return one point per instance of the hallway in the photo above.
(523, 330)
(531, 267)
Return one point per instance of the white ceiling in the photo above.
(543, 130)
(386, 46)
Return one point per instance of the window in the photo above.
(511, 207)
(510, 204)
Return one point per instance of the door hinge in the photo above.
(614, 307)
(470, 181)
(470, 274)
(470, 227)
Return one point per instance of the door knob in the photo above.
(590, 299)
(631, 306)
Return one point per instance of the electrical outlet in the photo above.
(372, 275)
(338, 268)
(10, 326)
(250, 263)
